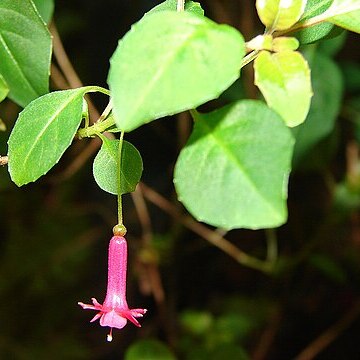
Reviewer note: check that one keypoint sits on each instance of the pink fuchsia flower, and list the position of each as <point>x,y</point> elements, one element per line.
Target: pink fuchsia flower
<point>114,312</point>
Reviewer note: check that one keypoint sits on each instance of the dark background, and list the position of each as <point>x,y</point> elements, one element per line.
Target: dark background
<point>54,235</point>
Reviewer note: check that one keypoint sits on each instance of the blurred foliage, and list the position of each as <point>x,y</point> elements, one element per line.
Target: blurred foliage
<point>54,234</point>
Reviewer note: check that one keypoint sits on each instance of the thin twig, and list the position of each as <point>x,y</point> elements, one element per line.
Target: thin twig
<point>66,67</point>
<point>80,160</point>
<point>267,338</point>
<point>328,336</point>
<point>143,214</point>
<point>68,78</point>
<point>153,272</point>
<point>58,79</point>
<point>63,60</point>
<point>211,236</point>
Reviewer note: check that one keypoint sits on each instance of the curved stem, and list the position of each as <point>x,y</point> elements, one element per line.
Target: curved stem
<point>120,214</point>
<point>304,24</point>
<point>98,127</point>
<point>213,237</point>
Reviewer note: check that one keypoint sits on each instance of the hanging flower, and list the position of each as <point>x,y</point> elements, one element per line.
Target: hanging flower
<point>114,312</point>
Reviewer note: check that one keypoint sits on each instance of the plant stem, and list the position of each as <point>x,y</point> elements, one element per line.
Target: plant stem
<point>249,58</point>
<point>304,24</point>
<point>272,246</point>
<point>213,237</point>
<point>98,127</point>
<point>180,5</point>
<point>119,196</point>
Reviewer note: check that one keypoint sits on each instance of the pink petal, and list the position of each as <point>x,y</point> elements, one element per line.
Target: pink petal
<point>112,319</point>
<point>98,315</point>
<point>87,306</point>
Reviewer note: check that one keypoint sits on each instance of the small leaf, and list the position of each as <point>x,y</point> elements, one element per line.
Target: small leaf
<point>148,350</point>
<point>105,167</point>
<point>344,13</point>
<point>190,6</point>
<point>4,90</point>
<point>42,133</point>
<point>25,50</point>
<point>45,8</point>
<point>325,106</point>
<point>284,80</point>
<point>284,43</point>
<point>233,171</point>
<point>170,62</point>
<point>280,14</point>
<point>316,32</point>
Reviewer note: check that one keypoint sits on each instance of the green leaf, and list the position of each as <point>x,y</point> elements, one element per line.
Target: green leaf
<point>25,50</point>
<point>284,43</point>
<point>45,8</point>
<point>280,14</point>
<point>344,13</point>
<point>4,90</point>
<point>170,62</point>
<point>42,133</point>
<point>328,89</point>
<point>148,350</point>
<point>105,167</point>
<point>190,6</point>
<point>316,32</point>
<point>331,46</point>
<point>284,80</point>
<point>233,171</point>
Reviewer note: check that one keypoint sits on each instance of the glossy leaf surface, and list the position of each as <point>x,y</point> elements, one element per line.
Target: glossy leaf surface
<point>280,14</point>
<point>45,8</point>
<point>25,50</point>
<point>42,133</point>
<point>316,32</point>
<point>105,167</point>
<point>233,171</point>
<point>284,80</point>
<point>169,62</point>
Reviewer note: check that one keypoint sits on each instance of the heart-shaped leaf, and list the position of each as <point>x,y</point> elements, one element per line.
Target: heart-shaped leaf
<point>25,50</point>
<point>169,62</point>
<point>105,167</point>
<point>42,133</point>
<point>233,171</point>
<point>284,80</point>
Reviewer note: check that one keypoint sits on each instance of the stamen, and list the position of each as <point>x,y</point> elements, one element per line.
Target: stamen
<point>109,336</point>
